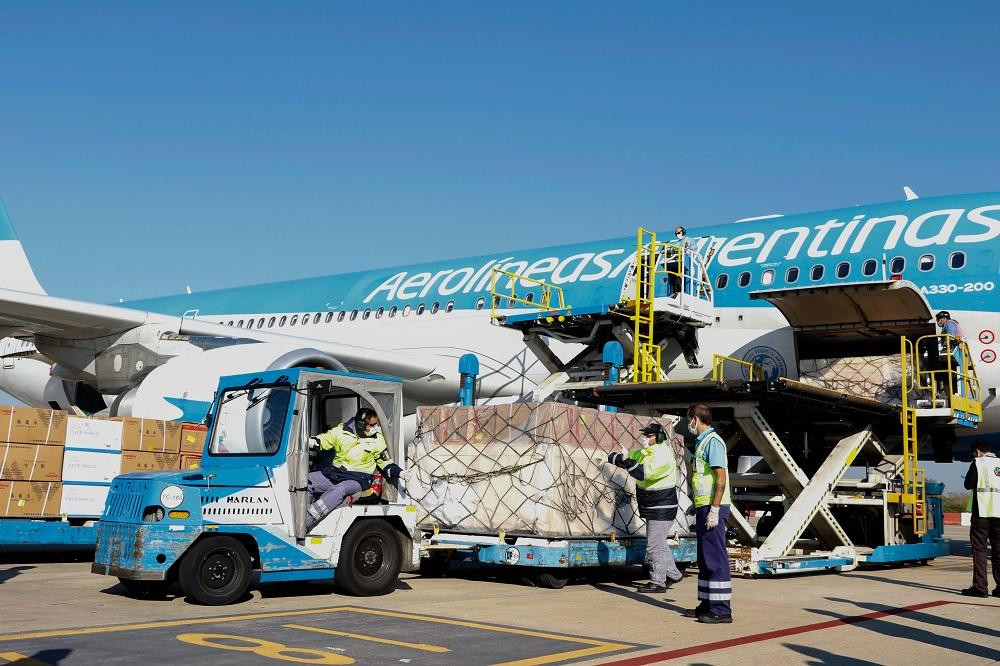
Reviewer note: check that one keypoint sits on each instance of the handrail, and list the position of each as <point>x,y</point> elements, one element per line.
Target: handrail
<point>694,281</point>
<point>961,382</point>
<point>543,303</point>
<point>756,372</point>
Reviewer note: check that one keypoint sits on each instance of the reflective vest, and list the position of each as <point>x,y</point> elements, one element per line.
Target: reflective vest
<point>988,486</point>
<point>343,448</point>
<point>659,466</point>
<point>702,475</point>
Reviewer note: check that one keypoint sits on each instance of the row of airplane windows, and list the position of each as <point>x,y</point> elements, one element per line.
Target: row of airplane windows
<point>367,313</point>
<point>956,260</point>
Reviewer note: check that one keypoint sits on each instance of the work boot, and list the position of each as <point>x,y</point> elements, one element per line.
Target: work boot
<point>973,592</point>
<point>651,588</point>
<point>693,612</point>
<point>712,618</point>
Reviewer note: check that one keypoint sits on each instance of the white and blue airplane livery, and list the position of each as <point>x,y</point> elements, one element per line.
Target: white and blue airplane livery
<point>162,357</point>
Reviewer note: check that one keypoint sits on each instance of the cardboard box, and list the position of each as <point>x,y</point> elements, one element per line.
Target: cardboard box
<point>189,461</point>
<point>193,438</point>
<point>150,435</point>
<point>30,462</point>
<point>98,434</point>
<point>34,499</point>
<point>90,466</point>
<point>83,501</point>
<point>29,425</point>
<point>147,461</point>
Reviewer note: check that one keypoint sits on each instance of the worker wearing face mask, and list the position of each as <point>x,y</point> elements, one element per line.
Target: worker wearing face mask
<point>350,454</point>
<point>710,492</point>
<point>676,261</point>
<point>654,467</point>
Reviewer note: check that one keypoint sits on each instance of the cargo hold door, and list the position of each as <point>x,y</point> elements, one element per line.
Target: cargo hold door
<point>852,319</point>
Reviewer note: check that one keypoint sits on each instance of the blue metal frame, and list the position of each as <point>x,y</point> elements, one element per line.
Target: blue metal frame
<point>566,554</point>
<point>29,534</point>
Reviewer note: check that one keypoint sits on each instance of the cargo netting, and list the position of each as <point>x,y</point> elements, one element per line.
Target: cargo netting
<point>876,377</point>
<point>535,469</point>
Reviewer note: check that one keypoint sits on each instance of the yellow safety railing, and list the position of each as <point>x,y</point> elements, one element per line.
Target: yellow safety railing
<point>956,380</point>
<point>913,487</point>
<point>755,372</point>
<point>550,297</point>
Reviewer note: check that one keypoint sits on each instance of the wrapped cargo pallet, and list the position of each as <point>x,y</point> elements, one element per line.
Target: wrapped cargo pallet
<point>530,469</point>
<point>876,377</point>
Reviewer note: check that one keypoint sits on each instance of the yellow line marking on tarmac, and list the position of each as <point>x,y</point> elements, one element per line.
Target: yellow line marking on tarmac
<point>596,646</point>
<point>19,659</point>
<point>388,641</point>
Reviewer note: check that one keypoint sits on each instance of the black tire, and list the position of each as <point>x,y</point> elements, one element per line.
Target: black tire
<point>370,559</point>
<point>145,589</point>
<point>215,571</point>
<point>551,580</point>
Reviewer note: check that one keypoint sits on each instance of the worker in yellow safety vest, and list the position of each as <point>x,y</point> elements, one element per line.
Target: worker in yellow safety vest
<point>654,467</point>
<point>983,479</point>
<point>710,490</point>
<point>349,456</point>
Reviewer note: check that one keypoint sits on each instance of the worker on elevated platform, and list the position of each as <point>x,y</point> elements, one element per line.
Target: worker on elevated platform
<point>654,468</point>
<point>983,479</point>
<point>710,491</point>
<point>349,457</point>
<point>951,327</point>
<point>677,264</point>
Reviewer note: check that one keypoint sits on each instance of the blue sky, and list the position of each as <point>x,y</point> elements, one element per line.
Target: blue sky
<point>149,146</point>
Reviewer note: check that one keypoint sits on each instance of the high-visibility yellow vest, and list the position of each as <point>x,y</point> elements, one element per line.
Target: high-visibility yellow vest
<point>988,486</point>
<point>702,476</point>
<point>353,453</point>
<point>659,466</point>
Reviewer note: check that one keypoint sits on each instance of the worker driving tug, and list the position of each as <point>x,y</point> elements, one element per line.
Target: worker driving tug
<point>349,456</point>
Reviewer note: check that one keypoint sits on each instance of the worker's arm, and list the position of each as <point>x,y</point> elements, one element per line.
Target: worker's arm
<point>329,439</point>
<point>972,476</point>
<point>720,486</point>
<point>634,469</point>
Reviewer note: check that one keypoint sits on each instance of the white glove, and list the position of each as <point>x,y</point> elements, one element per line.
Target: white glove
<point>712,520</point>
<point>407,474</point>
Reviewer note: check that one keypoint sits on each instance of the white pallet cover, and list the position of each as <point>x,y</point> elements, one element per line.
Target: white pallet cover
<point>532,469</point>
<point>876,377</point>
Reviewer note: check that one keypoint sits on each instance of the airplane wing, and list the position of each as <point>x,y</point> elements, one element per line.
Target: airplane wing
<point>24,315</point>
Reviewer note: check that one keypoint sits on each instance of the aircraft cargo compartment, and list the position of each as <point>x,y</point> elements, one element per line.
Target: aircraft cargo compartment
<point>537,469</point>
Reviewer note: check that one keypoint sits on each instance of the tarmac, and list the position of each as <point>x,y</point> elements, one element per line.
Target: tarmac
<point>54,611</point>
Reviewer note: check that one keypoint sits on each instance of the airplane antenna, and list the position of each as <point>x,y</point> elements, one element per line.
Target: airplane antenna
<point>910,194</point>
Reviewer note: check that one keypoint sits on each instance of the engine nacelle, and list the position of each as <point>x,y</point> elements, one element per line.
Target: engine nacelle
<point>182,389</point>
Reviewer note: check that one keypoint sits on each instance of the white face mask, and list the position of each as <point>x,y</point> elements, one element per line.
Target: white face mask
<point>691,428</point>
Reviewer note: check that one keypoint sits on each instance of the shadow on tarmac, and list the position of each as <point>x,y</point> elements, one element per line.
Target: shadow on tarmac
<point>51,657</point>
<point>824,658</point>
<point>13,572</point>
<point>921,635</point>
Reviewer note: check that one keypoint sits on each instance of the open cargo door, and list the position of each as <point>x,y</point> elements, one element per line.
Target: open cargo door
<point>852,319</point>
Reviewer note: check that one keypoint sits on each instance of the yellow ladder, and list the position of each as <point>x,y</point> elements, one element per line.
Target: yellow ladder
<point>914,476</point>
<point>645,352</point>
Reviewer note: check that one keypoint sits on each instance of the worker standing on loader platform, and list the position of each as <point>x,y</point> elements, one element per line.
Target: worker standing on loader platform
<point>983,479</point>
<point>677,263</point>
<point>950,327</point>
<point>710,491</point>
<point>654,468</point>
<point>349,457</point>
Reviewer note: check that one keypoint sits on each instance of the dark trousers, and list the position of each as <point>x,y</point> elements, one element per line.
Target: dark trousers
<point>982,532</point>
<point>715,586</point>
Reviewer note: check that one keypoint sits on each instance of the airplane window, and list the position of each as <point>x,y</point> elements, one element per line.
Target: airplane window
<point>744,278</point>
<point>926,262</point>
<point>354,315</point>
<point>379,313</point>
<point>869,267</point>
<point>294,321</point>
<point>367,313</point>
<point>435,306</point>
<point>496,301</point>
<point>270,322</point>
<point>722,281</point>
<point>305,319</point>
<point>530,297</point>
<point>792,275</point>
<point>817,272</point>
<point>956,260</point>
<point>767,277</point>
<point>341,315</point>
<point>420,309</point>
<point>450,306</point>
<point>897,265</point>
<point>392,311</point>
<point>281,322</point>
<point>480,304</point>
<point>328,318</point>
<point>240,324</point>
<point>230,323</point>
<point>316,317</point>
<point>260,323</point>
<point>406,310</point>
<point>843,269</point>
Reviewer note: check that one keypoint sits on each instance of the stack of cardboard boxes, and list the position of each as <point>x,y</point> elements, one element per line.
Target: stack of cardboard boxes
<point>53,464</point>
